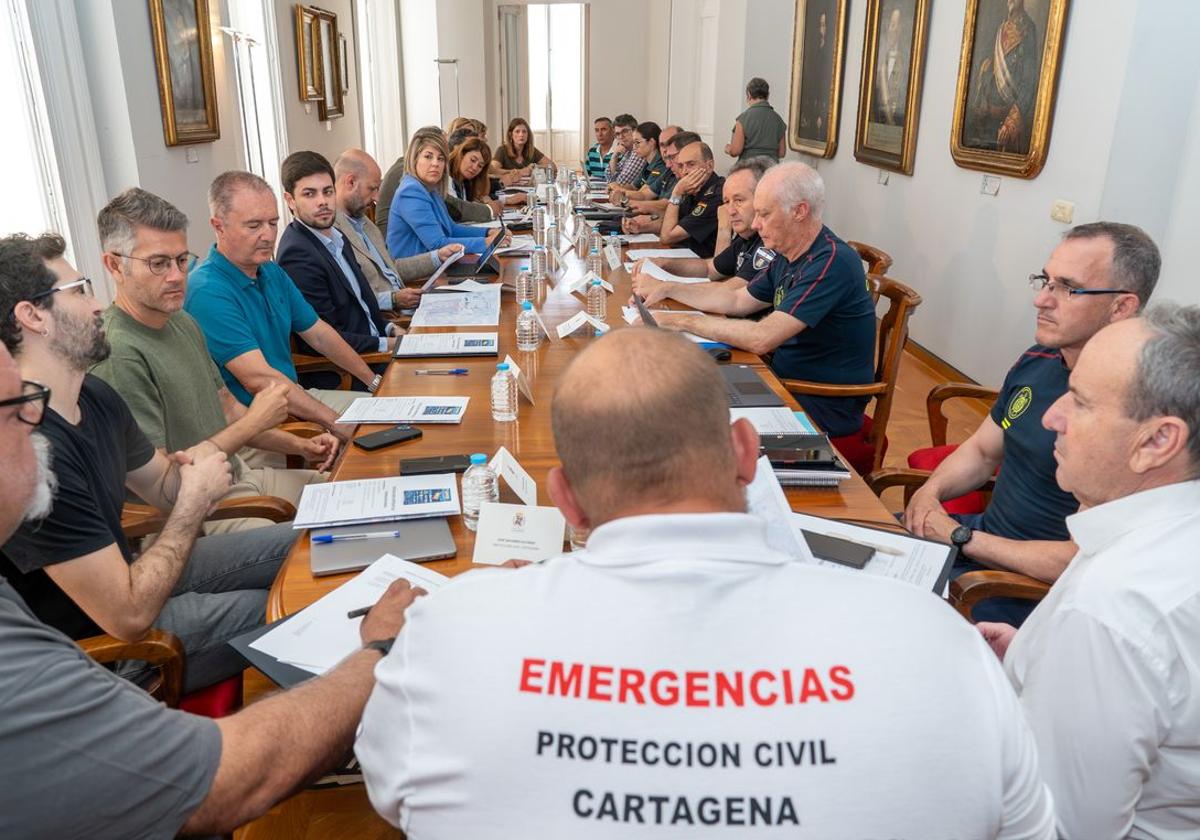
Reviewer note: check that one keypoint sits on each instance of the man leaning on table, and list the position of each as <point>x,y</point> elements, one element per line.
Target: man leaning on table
<point>248,307</point>
<point>678,673</point>
<point>1106,665</point>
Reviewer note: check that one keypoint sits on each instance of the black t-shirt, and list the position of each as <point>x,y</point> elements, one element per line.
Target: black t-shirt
<point>1027,503</point>
<point>738,260</point>
<point>824,287</point>
<point>698,216</point>
<point>90,462</point>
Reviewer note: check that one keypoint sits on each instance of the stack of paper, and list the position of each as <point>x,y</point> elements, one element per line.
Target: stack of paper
<point>406,410</point>
<point>636,238</point>
<point>631,315</point>
<point>377,500</point>
<point>663,252</point>
<point>320,635</point>
<point>658,272</point>
<point>476,308</point>
<point>440,345</point>
<point>776,420</point>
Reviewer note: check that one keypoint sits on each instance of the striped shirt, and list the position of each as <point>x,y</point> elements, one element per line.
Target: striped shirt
<point>597,164</point>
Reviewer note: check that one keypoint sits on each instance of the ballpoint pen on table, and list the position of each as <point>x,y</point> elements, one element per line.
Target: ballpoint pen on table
<point>322,539</point>
<point>442,372</point>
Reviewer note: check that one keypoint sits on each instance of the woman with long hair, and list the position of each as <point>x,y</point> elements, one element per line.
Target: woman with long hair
<point>517,152</point>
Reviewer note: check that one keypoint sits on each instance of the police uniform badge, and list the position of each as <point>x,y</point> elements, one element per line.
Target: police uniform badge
<point>1016,406</point>
<point>700,207</point>
<point>763,257</point>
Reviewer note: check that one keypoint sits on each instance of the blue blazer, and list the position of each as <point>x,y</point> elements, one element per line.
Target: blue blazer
<point>418,223</point>
<point>320,279</point>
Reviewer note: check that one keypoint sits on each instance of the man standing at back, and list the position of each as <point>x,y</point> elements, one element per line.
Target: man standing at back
<point>733,691</point>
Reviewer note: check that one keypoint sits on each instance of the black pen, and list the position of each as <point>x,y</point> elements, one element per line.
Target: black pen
<point>360,612</point>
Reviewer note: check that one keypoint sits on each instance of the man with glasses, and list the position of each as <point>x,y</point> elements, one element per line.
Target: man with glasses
<point>160,365</point>
<point>74,568</point>
<point>1100,273</point>
<point>625,166</point>
<point>647,205</point>
<point>690,218</point>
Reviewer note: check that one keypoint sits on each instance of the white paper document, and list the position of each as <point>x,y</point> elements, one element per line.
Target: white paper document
<point>514,475</point>
<point>631,315</point>
<point>476,308</point>
<point>519,242</point>
<point>441,269</point>
<point>406,410</point>
<point>417,345</point>
<point>320,636</point>
<point>517,532</point>
<point>765,499</point>
<point>778,420</point>
<point>494,223</point>
<point>635,238</point>
<point>663,252</point>
<point>659,273</point>
<point>377,500</point>
<point>578,320</point>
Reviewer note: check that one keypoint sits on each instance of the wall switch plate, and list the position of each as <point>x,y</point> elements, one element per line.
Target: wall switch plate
<point>191,155</point>
<point>1062,211</point>
<point>990,185</point>
<point>884,175</point>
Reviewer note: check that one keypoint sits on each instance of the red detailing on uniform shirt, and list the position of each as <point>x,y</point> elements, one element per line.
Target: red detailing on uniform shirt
<point>1055,355</point>
<point>820,277</point>
<point>665,687</point>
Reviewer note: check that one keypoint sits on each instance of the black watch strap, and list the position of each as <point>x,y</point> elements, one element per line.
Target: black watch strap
<point>384,646</point>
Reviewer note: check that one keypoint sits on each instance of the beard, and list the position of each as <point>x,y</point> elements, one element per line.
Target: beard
<point>45,482</point>
<point>80,342</point>
<point>355,206</point>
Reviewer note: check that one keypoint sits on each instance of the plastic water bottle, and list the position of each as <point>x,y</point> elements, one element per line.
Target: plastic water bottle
<point>537,262</point>
<point>529,332</point>
<point>582,231</point>
<point>552,234</point>
<point>597,307</point>
<point>479,484</point>
<point>595,262</point>
<point>539,218</point>
<point>525,286</point>
<point>504,393</point>
<point>595,240</point>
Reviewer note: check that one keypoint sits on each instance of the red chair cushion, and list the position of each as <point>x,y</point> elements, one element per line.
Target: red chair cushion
<point>928,459</point>
<point>856,450</point>
<point>216,701</point>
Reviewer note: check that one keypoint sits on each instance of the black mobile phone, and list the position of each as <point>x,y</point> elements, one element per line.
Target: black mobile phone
<point>825,547</point>
<point>434,465</point>
<point>378,440</point>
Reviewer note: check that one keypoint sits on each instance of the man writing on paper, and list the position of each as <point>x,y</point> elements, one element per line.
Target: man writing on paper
<point>903,708</point>
<point>1106,665</point>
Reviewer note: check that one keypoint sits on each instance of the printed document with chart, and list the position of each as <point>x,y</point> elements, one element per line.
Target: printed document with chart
<point>477,308</point>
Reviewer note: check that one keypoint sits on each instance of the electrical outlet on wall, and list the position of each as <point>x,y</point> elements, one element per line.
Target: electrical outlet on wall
<point>990,185</point>
<point>191,155</point>
<point>884,175</point>
<point>1062,211</point>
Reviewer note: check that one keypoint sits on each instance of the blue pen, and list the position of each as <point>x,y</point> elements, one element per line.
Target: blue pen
<point>329,538</point>
<point>707,345</point>
<point>442,372</point>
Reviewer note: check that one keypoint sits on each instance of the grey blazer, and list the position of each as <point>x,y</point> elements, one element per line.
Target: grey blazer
<point>408,269</point>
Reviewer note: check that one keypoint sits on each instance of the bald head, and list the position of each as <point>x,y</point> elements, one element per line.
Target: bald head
<point>357,177</point>
<point>641,423</point>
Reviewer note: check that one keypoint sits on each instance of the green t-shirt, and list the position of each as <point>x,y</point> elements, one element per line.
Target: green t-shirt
<point>167,377</point>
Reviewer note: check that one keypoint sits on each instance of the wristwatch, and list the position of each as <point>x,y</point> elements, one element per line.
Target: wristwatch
<point>676,200</point>
<point>384,646</point>
<point>375,383</point>
<point>961,535</point>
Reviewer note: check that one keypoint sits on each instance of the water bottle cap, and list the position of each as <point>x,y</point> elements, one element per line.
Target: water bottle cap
<point>526,304</point>
<point>503,365</point>
<point>595,249</point>
<point>478,458</point>
<point>596,281</point>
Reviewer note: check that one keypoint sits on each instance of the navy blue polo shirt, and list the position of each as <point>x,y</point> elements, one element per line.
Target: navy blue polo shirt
<point>1027,503</point>
<point>239,314</point>
<point>698,216</point>
<point>741,257</point>
<point>824,287</point>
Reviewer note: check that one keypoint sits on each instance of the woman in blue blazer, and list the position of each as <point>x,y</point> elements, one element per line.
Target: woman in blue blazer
<point>418,214</point>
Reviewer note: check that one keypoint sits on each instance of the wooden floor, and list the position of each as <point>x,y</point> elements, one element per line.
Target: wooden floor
<point>338,814</point>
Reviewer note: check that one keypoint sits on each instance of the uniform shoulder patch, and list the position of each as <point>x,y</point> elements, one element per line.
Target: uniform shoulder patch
<point>1019,402</point>
<point>763,257</point>
<point>701,206</point>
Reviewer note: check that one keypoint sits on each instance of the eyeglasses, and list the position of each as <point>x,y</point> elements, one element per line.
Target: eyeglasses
<point>83,284</point>
<point>1037,282</point>
<point>160,265</point>
<point>31,405</point>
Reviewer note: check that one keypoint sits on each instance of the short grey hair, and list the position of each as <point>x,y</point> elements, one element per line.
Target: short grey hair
<point>1135,260</point>
<point>225,185</point>
<point>756,166</point>
<point>136,208</point>
<point>795,182</point>
<point>1167,382</point>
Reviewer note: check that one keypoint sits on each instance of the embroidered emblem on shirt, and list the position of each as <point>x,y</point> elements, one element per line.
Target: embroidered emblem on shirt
<point>700,208</point>
<point>763,257</point>
<point>1017,405</point>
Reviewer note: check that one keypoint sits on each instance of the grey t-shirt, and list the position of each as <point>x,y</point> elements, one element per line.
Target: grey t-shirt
<point>87,754</point>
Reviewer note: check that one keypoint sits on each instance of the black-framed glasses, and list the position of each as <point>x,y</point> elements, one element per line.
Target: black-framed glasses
<point>1040,281</point>
<point>31,404</point>
<point>160,264</point>
<point>83,284</point>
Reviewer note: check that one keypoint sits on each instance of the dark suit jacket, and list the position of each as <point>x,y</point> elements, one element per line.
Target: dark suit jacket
<point>320,279</point>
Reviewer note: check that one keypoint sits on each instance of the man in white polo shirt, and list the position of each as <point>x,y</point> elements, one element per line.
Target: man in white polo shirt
<point>1107,665</point>
<point>678,675</point>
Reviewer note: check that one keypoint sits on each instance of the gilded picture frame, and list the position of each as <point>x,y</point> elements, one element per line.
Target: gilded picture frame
<point>182,34</point>
<point>818,59</point>
<point>331,105</point>
<point>889,94</point>
<point>307,60</point>
<point>1007,79</point>
<point>344,62</point>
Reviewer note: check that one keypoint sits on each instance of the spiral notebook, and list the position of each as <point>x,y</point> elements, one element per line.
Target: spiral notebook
<point>803,460</point>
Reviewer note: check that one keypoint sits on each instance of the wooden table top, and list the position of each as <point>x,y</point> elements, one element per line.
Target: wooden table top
<point>529,438</point>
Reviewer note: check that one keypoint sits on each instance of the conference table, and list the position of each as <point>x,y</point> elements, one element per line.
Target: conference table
<point>530,441</point>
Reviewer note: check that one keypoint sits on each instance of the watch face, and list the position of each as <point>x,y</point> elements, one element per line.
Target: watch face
<point>961,535</point>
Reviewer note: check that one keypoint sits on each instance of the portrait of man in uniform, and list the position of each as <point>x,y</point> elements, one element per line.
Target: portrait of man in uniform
<point>816,74</point>
<point>889,98</point>
<point>1005,68</point>
<point>892,59</point>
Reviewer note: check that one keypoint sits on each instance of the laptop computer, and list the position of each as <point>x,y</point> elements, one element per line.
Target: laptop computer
<point>418,540</point>
<point>746,389</point>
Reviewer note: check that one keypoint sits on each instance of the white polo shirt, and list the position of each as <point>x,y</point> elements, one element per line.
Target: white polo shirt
<point>1108,669</point>
<point>679,678</point>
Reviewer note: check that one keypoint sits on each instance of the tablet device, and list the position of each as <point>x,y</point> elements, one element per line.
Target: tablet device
<point>441,269</point>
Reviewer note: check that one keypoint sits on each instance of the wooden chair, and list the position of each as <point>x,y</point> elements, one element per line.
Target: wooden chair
<point>307,363</point>
<point>878,262</point>
<point>162,650</point>
<point>866,449</point>
<point>970,588</point>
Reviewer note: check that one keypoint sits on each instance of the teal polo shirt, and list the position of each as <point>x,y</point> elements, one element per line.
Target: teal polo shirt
<point>239,314</point>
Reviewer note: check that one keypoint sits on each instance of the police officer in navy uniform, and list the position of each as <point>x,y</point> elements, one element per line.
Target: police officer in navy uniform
<point>1101,272</point>
<point>690,218</point>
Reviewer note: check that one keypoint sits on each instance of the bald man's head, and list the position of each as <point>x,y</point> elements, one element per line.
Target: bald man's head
<point>641,422</point>
<point>357,177</point>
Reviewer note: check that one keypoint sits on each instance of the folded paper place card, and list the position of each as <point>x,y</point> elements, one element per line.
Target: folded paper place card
<point>517,532</point>
<point>578,320</point>
<point>523,387</point>
<point>514,475</point>
<point>613,254</point>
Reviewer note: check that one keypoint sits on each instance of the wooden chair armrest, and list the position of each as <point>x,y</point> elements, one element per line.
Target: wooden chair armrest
<point>948,391</point>
<point>319,364</point>
<point>823,389</point>
<point>377,358</point>
<point>158,648</point>
<point>142,520</point>
<point>301,428</point>
<point>970,588</point>
<point>909,479</point>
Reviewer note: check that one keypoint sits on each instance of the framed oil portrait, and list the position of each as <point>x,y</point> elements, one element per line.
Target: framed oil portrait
<point>329,68</point>
<point>889,95</point>
<point>1007,75</point>
<point>818,56</point>
<point>183,60</point>
<point>307,56</point>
